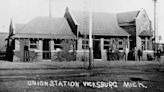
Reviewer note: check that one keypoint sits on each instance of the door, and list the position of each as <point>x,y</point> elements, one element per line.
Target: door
<point>96,49</point>
<point>46,49</point>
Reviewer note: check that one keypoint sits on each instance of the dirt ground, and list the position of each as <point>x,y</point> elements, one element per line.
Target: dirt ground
<point>105,76</point>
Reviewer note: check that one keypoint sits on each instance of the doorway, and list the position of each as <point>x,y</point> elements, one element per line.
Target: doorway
<point>46,50</point>
<point>96,49</point>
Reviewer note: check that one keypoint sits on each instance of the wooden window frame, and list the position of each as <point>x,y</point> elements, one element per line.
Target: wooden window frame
<point>85,43</point>
<point>120,46</point>
<point>33,42</point>
<point>57,43</point>
<point>106,46</point>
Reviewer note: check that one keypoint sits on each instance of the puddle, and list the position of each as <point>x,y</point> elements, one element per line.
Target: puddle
<point>136,79</point>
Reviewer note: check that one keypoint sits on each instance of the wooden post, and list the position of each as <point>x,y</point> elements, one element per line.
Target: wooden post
<point>155,24</point>
<point>90,38</point>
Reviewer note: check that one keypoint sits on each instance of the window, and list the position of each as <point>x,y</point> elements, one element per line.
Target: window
<point>120,43</point>
<point>106,43</point>
<point>148,45</point>
<point>33,43</point>
<point>85,44</point>
<point>143,44</point>
<point>57,43</point>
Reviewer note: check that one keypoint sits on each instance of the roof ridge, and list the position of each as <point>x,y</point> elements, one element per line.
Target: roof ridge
<point>47,17</point>
<point>128,12</point>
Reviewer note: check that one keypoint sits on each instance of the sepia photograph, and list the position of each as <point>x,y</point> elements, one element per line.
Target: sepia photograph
<point>81,46</point>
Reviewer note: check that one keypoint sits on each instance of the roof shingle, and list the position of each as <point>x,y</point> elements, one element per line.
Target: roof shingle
<point>103,23</point>
<point>44,26</point>
<point>127,17</point>
<point>146,33</point>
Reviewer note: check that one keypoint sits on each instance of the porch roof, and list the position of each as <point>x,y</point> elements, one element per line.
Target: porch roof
<point>146,33</point>
<point>43,36</point>
<point>103,23</point>
<point>44,27</point>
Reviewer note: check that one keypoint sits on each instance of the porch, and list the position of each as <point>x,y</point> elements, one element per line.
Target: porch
<point>100,46</point>
<point>37,49</point>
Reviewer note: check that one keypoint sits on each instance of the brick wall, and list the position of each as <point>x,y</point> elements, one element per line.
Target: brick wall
<point>19,50</point>
<point>142,24</point>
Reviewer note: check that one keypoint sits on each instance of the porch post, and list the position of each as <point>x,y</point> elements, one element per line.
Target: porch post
<point>79,47</point>
<point>145,43</point>
<point>17,48</point>
<point>103,54</point>
<point>40,53</point>
<point>52,49</point>
<point>128,43</point>
<point>102,44</point>
<point>17,45</point>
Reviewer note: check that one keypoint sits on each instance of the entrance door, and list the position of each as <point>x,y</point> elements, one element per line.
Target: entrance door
<point>132,42</point>
<point>96,49</point>
<point>46,50</point>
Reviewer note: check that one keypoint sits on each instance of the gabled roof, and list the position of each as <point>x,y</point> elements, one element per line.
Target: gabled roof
<point>127,17</point>
<point>146,33</point>
<point>3,36</point>
<point>18,27</point>
<point>102,23</point>
<point>46,27</point>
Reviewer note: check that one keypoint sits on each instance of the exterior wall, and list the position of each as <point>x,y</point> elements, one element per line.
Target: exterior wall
<point>142,24</point>
<point>115,44</point>
<point>113,41</point>
<point>19,49</point>
<point>17,44</point>
<point>80,52</point>
<point>131,29</point>
<point>84,53</point>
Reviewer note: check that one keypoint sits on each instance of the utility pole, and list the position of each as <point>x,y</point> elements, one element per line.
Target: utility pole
<point>90,36</point>
<point>50,8</point>
<point>155,23</point>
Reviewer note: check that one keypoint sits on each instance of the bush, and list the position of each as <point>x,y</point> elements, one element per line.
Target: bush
<point>68,52</point>
<point>66,56</point>
<point>113,56</point>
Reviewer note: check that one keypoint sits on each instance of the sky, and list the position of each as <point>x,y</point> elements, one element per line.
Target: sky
<point>22,11</point>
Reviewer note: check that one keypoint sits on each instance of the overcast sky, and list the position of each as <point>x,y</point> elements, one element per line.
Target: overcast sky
<point>22,11</point>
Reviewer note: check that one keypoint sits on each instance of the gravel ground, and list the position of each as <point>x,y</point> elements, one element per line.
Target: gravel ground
<point>15,76</point>
<point>72,64</point>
